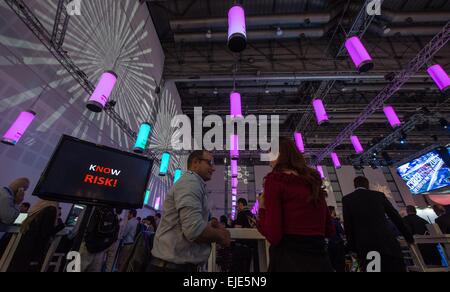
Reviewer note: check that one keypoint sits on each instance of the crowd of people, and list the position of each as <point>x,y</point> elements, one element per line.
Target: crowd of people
<point>305,234</point>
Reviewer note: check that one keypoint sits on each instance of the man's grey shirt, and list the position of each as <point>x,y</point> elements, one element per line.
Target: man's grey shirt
<point>185,217</point>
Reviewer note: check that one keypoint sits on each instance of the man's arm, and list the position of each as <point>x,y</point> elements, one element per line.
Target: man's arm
<point>188,201</point>
<point>8,211</point>
<point>397,220</point>
<point>348,226</point>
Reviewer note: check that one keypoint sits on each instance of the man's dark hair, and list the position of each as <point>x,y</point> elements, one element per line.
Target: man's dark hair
<point>26,205</point>
<point>361,182</point>
<point>242,201</point>
<point>197,154</point>
<point>158,215</point>
<point>133,213</point>
<point>331,209</point>
<point>411,210</point>
<point>224,219</point>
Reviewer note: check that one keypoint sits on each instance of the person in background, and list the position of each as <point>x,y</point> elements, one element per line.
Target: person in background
<point>150,223</point>
<point>367,229</point>
<point>111,253</point>
<point>443,219</point>
<point>293,214</point>
<point>224,221</point>
<point>158,218</point>
<point>418,226</point>
<point>184,236</point>
<point>101,233</point>
<point>245,217</point>
<point>128,238</point>
<point>243,250</point>
<point>25,207</point>
<point>10,199</point>
<point>336,243</point>
<point>36,231</point>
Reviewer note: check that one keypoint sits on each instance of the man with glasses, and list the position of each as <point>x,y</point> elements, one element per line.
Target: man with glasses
<point>184,236</point>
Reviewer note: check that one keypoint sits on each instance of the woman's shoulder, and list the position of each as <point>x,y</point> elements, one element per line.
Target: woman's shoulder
<point>283,177</point>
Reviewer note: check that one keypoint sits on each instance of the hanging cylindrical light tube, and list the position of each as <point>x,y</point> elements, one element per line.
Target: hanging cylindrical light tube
<point>357,144</point>
<point>440,77</point>
<point>237,31</point>
<point>234,146</point>
<point>359,54</point>
<point>299,142</point>
<point>336,162</point>
<point>235,105</point>
<point>103,90</point>
<point>234,182</point>
<point>177,175</point>
<point>142,138</point>
<point>147,197</point>
<point>234,168</point>
<point>392,117</point>
<point>164,167</point>
<point>321,113</point>
<point>18,128</point>
<point>320,170</point>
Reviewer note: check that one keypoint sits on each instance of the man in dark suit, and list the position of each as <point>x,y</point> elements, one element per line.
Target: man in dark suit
<point>367,227</point>
<point>443,219</point>
<point>418,226</point>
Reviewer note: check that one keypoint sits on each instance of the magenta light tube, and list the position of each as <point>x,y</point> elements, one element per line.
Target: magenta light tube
<point>157,203</point>
<point>357,144</point>
<point>234,192</point>
<point>336,162</point>
<point>392,116</point>
<point>234,146</point>
<point>359,54</point>
<point>320,170</point>
<point>237,31</point>
<point>18,128</point>
<point>102,91</point>
<point>299,142</point>
<point>440,77</point>
<point>234,183</point>
<point>319,109</point>
<point>235,104</point>
<point>234,168</point>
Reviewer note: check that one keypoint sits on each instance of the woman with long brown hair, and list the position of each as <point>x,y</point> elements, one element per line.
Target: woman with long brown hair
<point>293,214</point>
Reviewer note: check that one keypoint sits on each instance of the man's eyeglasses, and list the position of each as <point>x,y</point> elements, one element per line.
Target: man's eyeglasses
<point>210,162</point>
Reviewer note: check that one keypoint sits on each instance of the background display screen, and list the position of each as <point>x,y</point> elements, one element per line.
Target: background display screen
<point>426,173</point>
<point>82,172</point>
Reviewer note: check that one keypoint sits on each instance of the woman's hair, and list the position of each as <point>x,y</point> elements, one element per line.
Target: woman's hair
<point>290,158</point>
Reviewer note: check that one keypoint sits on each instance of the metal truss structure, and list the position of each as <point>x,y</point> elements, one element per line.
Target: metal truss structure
<point>370,156</point>
<point>359,28</point>
<point>61,23</point>
<point>51,43</point>
<point>423,58</point>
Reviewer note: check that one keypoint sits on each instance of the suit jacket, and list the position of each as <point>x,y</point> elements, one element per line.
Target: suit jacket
<point>367,227</point>
<point>444,223</point>
<point>416,224</point>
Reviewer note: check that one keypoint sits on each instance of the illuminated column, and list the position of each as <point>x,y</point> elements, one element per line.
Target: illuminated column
<point>234,147</point>
<point>164,167</point>
<point>299,142</point>
<point>18,128</point>
<point>102,91</point>
<point>357,144</point>
<point>177,175</point>
<point>336,162</point>
<point>359,54</point>
<point>392,116</point>
<point>319,109</point>
<point>235,104</point>
<point>142,138</point>
<point>237,31</point>
<point>440,77</point>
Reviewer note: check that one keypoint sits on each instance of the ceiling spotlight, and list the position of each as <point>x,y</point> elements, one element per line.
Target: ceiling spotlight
<point>279,31</point>
<point>267,90</point>
<point>216,91</point>
<point>403,138</point>
<point>444,123</point>
<point>386,29</point>
<point>209,34</point>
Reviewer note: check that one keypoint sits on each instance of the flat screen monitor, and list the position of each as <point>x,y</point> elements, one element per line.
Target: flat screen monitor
<point>80,172</point>
<point>21,218</point>
<point>426,173</point>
